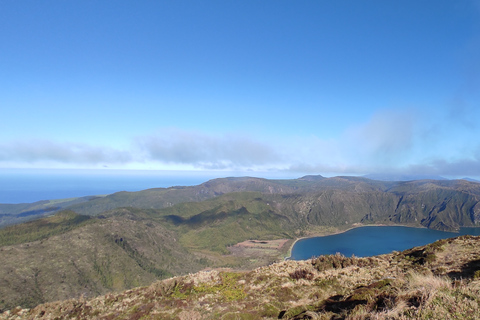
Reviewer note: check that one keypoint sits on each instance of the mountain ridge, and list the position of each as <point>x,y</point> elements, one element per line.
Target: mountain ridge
<point>162,232</point>
<point>163,197</point>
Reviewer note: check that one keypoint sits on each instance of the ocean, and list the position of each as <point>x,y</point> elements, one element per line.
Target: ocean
<point>26,187</point>
<point>30,185</point>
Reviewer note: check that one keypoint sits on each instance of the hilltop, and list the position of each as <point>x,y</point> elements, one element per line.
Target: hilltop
<point>96,245</point>
<point>436,204</point>
<point>437,281</point>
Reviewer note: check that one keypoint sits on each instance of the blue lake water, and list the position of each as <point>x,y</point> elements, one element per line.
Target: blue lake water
<point>371,241</point>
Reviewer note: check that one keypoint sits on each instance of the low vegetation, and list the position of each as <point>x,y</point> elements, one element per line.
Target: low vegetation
<point>99,245</point>
<point>400,285</point>
<point>11,214</point>
<point>43,228</point>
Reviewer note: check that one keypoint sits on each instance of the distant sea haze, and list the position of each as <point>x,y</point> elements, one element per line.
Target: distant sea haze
<point>30,185</point>
<point>35,186</point>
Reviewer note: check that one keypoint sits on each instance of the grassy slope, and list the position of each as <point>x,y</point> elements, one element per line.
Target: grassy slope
<point>11,214</point>
<point>226,220</point>
<point>90,258</point>
<point>438,281</point>
<point>128,247</point>
<point>43,228</point>
<point>141,245</point>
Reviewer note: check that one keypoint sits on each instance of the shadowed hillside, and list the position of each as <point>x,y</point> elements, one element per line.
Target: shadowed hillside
<point>436,204</point>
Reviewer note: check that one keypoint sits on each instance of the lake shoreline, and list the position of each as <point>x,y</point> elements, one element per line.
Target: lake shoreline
<point>354,226</point>
<point>362,243</point>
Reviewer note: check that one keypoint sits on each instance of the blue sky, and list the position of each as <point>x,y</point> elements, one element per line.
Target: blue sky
<point>326,87</point>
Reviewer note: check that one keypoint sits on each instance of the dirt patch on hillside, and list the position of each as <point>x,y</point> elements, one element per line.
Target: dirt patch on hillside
<point>261,252</point>
<point>264,244</point>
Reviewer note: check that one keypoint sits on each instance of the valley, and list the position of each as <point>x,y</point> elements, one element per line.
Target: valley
<point>98,245</point>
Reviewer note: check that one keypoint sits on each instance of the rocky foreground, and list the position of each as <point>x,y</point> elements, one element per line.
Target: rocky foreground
<point>437,281</point>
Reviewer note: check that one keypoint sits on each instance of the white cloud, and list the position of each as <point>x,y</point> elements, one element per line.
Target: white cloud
<point>461,167</point>
<point>389,142</point>
<point>386,139</point>
<point>32,151</point>
<point>207,151</point>
<point>392,142</point>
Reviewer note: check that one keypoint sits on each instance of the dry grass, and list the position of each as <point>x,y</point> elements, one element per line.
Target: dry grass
<point>334,287</point>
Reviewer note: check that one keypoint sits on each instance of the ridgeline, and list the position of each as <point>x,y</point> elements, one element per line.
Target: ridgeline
<point>94,246</point>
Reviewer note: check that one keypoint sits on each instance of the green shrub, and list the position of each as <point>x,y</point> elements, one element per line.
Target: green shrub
<point>476,275</point>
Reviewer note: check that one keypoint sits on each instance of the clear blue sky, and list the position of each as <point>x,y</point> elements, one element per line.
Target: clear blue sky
<point>349,87</point>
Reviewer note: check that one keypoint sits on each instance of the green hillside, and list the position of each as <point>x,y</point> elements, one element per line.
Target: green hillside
<point>437,281</point>
<point>130,239</point>
<point>90,257</point>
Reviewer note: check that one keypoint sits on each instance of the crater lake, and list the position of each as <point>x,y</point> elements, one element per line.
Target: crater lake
<point>371,240</point>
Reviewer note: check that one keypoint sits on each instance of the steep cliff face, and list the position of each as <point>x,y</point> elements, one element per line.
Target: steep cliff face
<point>436,207</point>
<point>441,205</point>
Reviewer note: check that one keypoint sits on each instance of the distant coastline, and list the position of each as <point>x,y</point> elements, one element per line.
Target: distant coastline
<point>31,185</point>
<point>23,188</point>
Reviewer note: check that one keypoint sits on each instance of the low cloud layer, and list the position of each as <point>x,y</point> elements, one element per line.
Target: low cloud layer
<point>32,151</point>
<point>207,151</point>
<point>467,167</point>
<point>395,142</point>
<point>386,139</point>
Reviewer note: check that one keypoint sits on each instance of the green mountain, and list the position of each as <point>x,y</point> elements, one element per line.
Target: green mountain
<point>128,239</point>
<point>436,204</point>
